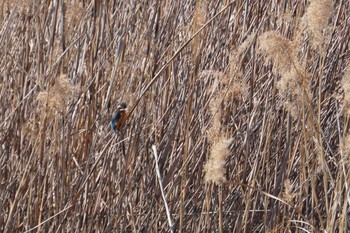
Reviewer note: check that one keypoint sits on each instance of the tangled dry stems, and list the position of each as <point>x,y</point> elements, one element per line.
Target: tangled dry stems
<point>258,103</point>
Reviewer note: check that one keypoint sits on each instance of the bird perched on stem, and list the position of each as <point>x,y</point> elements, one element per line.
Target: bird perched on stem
<point>119,117</point>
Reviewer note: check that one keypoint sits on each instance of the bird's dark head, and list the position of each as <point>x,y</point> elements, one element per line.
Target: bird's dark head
<point>122,105</point>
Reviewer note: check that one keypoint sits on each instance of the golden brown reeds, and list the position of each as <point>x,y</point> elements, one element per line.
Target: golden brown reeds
<point>58,96</point>
<point>278,49</point>
<point>317,17</point>
<point>249,103</point>
<point>345,85</point>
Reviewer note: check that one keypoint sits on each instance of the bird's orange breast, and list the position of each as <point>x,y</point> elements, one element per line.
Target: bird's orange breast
<point>122,119</point>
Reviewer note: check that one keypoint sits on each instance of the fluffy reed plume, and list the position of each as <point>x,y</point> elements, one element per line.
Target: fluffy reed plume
<point>287,194</point>
<point>293,85</point>
<point>344,148</point>
<point>317,17</point>
<point>59,94</point>
<point>290,90</point>
<point>345,85</point>
<point>237,88</point>
<point>236,54</point>
<point>215,167</point>
<point>232,82</point>
<point>214,131</point>
<point>277,49</point>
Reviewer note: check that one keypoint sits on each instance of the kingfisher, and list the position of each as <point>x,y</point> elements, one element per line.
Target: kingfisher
<point>119,117</point>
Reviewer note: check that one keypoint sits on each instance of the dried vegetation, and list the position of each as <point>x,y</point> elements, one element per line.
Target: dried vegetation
<point>250,119</point>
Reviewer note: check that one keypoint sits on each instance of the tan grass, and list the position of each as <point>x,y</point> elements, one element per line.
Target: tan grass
<point>58,96</point>
<point>215,167</point>
<point>199,19</point>
<point>290,87</point>
<point>74,13</point>
<point>248,100</point>
<point>345,85</point>
<point>277,49</point>
<point>317,17</point>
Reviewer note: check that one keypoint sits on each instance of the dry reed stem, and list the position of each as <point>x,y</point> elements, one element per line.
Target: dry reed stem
<point>170,222</point>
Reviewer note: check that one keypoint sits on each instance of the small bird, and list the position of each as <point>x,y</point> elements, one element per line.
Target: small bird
<point>119,117</point>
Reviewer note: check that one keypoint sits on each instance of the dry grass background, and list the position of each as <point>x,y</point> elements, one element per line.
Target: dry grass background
<point>250,120</point>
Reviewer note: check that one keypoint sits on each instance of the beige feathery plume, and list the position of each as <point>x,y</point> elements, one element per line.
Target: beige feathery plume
<point>59,95</point>
<point>277,49</point>
<point>215,167</point>
<point>345,85</point>
<point>317,18</point>
<point>287,194</point>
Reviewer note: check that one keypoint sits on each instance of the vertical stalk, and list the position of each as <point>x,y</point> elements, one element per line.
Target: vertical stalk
<point>220,209</point>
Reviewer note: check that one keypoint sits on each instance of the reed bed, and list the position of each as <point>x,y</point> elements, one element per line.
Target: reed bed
<point>245,104</point>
